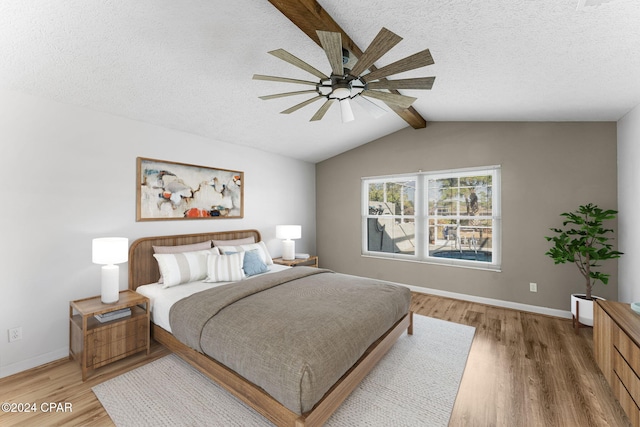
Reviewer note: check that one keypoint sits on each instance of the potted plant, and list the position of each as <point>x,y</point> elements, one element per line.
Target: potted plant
<point>584,241</point>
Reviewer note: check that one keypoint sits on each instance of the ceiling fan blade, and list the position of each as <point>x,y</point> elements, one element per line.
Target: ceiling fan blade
<point>418,83</point>
<point>372,108</point>
<point>332,45</point>
<point>283,79</point>
<point>294,60</point>
<point>380,45</point>
<point>302,104</point>
<point>417,60</point>
<point>322,111</point>
<point>282,95</point>
<point>402,101</point>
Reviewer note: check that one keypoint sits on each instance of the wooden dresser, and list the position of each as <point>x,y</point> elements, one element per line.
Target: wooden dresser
<point>616,341</point>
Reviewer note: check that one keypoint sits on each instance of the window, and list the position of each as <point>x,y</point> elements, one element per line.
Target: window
<point>391,220</point>
<point>447,217</point>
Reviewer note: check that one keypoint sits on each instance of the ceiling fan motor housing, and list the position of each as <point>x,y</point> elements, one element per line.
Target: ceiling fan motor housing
<point>338,87</point>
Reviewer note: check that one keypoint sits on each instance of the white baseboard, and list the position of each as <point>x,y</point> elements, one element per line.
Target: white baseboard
<point>34,362</point>
<point>490,301</point>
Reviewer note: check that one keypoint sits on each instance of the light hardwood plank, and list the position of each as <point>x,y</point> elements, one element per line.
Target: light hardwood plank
<point>523,370</point>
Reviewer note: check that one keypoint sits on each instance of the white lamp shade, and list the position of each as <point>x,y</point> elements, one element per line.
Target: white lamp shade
<point>288,231</point>
<point>110,250</point>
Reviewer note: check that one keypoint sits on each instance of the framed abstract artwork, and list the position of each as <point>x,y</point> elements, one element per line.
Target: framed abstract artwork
<point>169,190</point>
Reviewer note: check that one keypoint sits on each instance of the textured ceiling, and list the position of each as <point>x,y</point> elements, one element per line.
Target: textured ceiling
<point>188,64</point>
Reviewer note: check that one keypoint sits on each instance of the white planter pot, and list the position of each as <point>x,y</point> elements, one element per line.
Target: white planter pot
<point>586,308</point>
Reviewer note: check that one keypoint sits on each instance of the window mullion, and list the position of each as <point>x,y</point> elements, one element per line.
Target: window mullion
<point>418,218</point>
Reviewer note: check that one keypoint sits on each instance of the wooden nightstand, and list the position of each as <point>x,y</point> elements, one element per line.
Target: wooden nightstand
<point>94,344</point>
<point>312,261</point>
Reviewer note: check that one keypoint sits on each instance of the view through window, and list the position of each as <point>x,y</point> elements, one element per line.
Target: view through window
<point>450,217</point>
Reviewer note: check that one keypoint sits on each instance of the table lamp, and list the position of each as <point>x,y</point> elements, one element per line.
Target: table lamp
<point>110,251</point>
<point>287,233</point>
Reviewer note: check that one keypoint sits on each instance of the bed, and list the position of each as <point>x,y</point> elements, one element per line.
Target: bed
<point>263,294</point>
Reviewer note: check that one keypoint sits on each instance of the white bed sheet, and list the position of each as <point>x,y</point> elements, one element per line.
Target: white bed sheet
<point>162,299</point>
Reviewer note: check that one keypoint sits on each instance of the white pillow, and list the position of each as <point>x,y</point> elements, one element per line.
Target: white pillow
<point>183,267</point>
<point>260,246</point>
<point>225,268</point>
<point>202,246</point>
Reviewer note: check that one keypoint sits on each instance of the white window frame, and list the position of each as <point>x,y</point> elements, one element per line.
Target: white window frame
<point>367,215</point>
<point>422,217</point>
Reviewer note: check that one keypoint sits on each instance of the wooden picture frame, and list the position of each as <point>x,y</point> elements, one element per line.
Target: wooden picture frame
<point>170,190</point>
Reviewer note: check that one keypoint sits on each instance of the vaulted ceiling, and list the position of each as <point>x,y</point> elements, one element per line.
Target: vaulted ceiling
<point>188,64</point>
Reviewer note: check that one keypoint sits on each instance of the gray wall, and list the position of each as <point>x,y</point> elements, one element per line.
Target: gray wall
<point>547,168</point>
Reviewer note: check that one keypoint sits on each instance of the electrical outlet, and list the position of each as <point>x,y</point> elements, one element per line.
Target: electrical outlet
<point>533,287</point>
<point>15,334</point>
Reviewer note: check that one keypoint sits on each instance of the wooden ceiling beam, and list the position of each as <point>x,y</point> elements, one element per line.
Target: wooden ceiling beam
<point>309,16</point>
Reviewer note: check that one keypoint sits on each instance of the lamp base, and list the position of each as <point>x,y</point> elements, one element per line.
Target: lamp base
<point>288,250</point>
<point>110,287</point>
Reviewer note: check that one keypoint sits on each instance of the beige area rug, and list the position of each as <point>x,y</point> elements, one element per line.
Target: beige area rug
<point>415,384</point>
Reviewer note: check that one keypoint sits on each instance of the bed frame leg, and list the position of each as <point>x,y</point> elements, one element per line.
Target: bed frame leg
<point>410,328</point>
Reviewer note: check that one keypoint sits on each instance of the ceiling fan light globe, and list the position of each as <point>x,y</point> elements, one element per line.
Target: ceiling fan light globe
<point>341,93</point>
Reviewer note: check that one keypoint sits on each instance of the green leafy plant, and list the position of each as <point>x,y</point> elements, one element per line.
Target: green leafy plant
<point>585,242</point>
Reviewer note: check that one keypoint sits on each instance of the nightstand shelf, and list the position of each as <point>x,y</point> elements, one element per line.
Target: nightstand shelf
<point>94,344</point>
<point>312,261</point>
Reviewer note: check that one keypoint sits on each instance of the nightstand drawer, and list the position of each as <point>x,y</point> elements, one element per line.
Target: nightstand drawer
<point>116,341</point>
<point>104,354</point>
<point>118,331</point>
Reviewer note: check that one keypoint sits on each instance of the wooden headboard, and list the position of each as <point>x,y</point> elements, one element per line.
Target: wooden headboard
<point>143,268</point>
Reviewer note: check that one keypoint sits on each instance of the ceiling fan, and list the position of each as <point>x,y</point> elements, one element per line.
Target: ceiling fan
<point>356,84</point>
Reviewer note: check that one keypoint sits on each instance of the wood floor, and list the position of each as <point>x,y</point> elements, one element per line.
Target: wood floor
<point>523,370</point>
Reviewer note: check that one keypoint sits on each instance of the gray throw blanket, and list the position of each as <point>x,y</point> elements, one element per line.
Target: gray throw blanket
<point>293,333</point>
